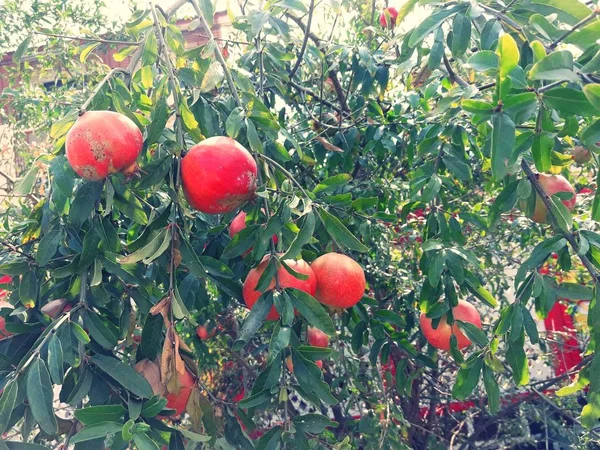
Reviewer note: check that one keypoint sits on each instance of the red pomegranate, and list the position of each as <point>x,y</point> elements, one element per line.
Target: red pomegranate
<point>383,18</point>
<point>440,336</point>
<point>316,337</point>
<point>340,280</point>
<point>179,401</point>
<point>218,175</point>
<point>101,143</point>
<point>3,332</point>
<point>286,280</point>
<point>290,364</point>
<point>551,184</point>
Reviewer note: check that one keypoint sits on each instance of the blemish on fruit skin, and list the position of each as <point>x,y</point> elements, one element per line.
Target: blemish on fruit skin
<point>89,172</point>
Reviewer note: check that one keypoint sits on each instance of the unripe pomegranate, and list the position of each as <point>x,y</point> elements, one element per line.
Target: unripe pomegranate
<point>581,155</point>
<point>218,175</point>
<point>101,143</point>
<point>316,337</point>
<point>340,280</point>
<point>440,336</point>
<point>551,184</point>
<point>383,18</point>
<point>286,280</point>
<point>179,401</point>
<point>290,364</point>
<point>3,332</point>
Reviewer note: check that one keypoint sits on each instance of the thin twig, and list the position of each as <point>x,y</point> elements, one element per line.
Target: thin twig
<point>305,41</point>
<point>453,75</point>
<point>285,171</point>
<point>87,39</point>
<point>575,27</point>
<point>98,88</point>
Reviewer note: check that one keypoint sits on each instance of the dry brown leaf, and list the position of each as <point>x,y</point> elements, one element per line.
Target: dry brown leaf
<point>329,146</point>
<point>150,370</point>
<point>171,364</point>
<point>162,308</point>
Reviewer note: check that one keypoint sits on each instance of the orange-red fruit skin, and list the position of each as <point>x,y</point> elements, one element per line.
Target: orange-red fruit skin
<point>286,280</point>
<point>440,337</point>
<point>218,175</point>
<point>551,184</point>
<point>102,143</point>
<point>341,281</point>
<point>316,337</point>
<point>179,401</point>
<point>290,364</point>
<point>393,13</point>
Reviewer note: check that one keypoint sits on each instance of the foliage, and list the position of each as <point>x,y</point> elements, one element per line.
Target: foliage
<point>409,152</point>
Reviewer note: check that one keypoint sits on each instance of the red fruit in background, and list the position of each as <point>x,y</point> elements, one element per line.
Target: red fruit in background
<point>286,280</point>
<point>440,337</point>
<point>316,337</point>
<point>586,191</point>
<point>392,13</point>
<point>204,333</point>
<point>3,332</point>
<point>340,280</point>
<point>290,364</point>
<point>101,143</point>
<point>218,175</point>
<point>581,155</point>
<point>552,184</point>
<point>178,401</point>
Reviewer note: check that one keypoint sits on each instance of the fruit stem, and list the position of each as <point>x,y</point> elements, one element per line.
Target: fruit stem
<point>99,86</point>
<point>570,237</point>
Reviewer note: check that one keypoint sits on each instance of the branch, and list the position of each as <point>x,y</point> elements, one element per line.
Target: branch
<point>218,54</point>
<point>577,26</point>
<point>316,96</point>
<point>453,76</point>
<point>100,85</point>
<point>549,207</point>
<point>14,249</point>
<point>311,9</point>
<point>80,38</point>
<point>502,17</point>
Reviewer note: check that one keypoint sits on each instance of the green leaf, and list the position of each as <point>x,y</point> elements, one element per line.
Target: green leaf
<point>483,61</point>
<point>123,374</point>
<point>313,423</point>
<point>270,440</point>
<point>508,54</point>
<point>79,333</point>
<point>160,115</point>
<point>312,310</point>
<point>339,233</point>
<point>517,360</point>
<point>55,360</point>
<point>40,395</point>
<point>492,389</point>
<point>541,149</point>
<point>502,144</point>
<point>21,49</point>
<point>467,379</point>
<point>431,23</point>
<point>258,315</point>
<point>253,139</point>
<point>478,106</point>
<point>129,205</point>
<point>303,237</point>
<point>156,247</point>
<point>24,185</point>
<point>590,136</point>
<point>97,430</point>
<point>11,445</point>
<point>569,101</point>
<point>150,51</point>
<point>145,442</point>
<point>332,183</point>
<point>191,259</point>
<point>474,333</point>
<point>7,404</point>
<point>573,291</point>
<point>104,413</point>
<point>461,34</point>
<point>310,378</point>
<point>99,331</point>
<point>592,93</point>
<point>153,406</point>
<point>557,66</point>
<point>234,122</point>
<point>84,202</point>
<point>563,216</point>
<point>48,246</point>
<point>432,188</point>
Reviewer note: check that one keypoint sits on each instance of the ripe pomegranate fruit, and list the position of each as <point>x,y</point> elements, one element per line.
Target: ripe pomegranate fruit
<point>205,333</point>
<point>3,332</point>
<point>551,184</point>
<point>340,280</point>
<point>290,364</point>
<point>440,336</point>
<point>581,155</point>
<point>392,13</point>
<point>101,143</point>
<point>316,337</point>
<point>178,401</point>
<point>286,280</point>
<point>218,175</point>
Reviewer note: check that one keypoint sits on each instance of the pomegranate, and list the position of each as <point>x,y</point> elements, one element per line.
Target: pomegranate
<point>204,333</point>
<point>290,364</point>
<point>316,337</point>
<point>340,280</point>
<point>392,13</point>
<point>551,184</point>
<point>3,332</point>
<point>218,175</point>
<point>581,155</point>
<point>440,337</point>
<point>286,280</point>
<point>178,401</point>
<point>102,143</point>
